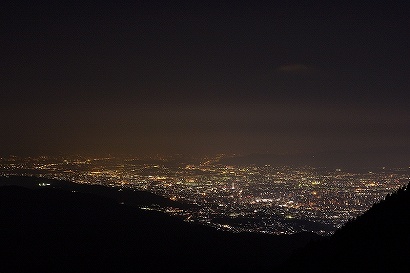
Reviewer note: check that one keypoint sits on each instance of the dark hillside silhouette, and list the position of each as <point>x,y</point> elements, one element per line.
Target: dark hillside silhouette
<point>377,241</point>
<point>128,196</point>
<point>55,230</point>
<point>88,230</point>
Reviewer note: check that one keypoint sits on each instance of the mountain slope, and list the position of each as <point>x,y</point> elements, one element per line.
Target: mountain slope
<point>54,230</point>
<point>129,196</point>
<point>377,241</point>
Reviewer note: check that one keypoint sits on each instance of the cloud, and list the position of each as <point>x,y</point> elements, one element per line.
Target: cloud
<point>296,68</point>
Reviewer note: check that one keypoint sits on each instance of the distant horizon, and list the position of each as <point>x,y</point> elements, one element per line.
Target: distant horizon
<point>399,149</point>
<point>359,158</point>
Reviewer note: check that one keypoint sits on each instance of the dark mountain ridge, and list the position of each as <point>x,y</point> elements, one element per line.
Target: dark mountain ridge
<point>129,196</point>
<point>58,230</point>
<point>377,241</point>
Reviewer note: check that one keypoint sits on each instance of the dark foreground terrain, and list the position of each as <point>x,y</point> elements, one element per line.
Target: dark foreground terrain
<point>58,229</point>
<point>53,229</point>
<point>377,241</point>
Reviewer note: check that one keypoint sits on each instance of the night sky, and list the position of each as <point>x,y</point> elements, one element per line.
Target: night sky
<point>149,77</point>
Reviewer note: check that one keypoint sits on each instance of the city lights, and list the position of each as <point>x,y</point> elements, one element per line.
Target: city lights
<point>268,199</point>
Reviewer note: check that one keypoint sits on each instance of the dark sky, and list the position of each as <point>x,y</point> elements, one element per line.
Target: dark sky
<point>147,77</point>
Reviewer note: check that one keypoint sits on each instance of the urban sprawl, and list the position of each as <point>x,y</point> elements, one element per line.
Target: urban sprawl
<point>252,198</point>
